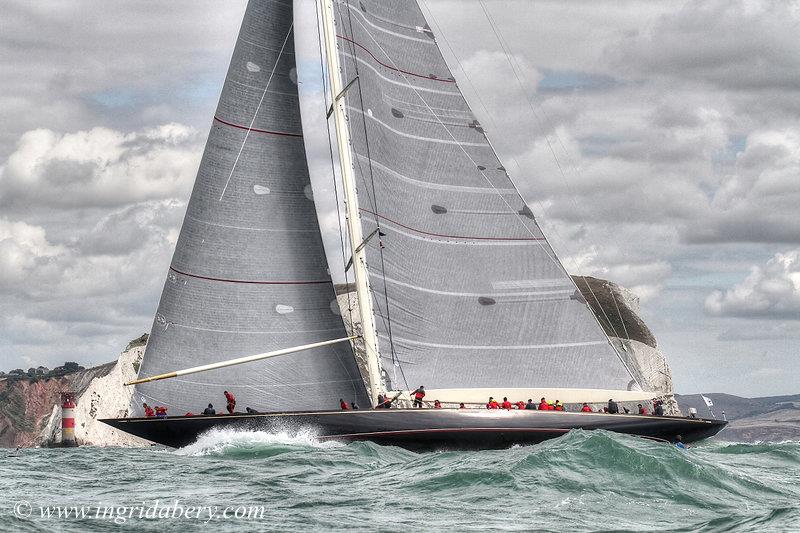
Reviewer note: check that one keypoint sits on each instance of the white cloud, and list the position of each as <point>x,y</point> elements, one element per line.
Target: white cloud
<point>99,167</point>
<point>770,291</point>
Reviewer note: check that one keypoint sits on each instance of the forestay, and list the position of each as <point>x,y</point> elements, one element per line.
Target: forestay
<point>249,274</point>
<point>467,292</point>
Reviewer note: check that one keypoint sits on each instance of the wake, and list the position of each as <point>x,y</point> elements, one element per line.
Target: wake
<point>241,442</point>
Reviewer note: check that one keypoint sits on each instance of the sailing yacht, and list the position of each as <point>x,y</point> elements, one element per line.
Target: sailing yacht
<point>457,287</point>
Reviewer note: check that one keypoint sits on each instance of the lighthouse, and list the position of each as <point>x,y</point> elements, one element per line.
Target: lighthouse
<point>68,420</point>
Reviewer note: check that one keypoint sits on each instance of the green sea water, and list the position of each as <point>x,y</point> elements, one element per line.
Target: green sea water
<point>254,481</point>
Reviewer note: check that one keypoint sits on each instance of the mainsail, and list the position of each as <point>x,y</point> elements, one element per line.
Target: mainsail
<point>467,292</point>
<point>249,273</point>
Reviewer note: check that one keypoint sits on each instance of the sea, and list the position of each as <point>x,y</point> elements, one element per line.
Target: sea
<point>258,481</point>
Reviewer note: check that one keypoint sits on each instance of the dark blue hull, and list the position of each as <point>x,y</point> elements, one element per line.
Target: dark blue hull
<point>423,429</point>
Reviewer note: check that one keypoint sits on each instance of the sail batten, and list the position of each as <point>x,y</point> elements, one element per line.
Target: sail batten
<point>249,273</point>
<point>455,227</point>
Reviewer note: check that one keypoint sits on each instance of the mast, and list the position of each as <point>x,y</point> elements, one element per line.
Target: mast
<point>351,202</point>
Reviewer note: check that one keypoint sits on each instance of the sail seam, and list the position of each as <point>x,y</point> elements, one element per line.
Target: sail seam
<point>437,186</point>
<point>245,228</point>
<point>253,282</point>
<point>450,236</point>
<point>423,76</point>
<point>398,83</point>
<point>567,292</point>
<point>454,141</point>
<point>270,132</point>
<point>498,347</point>
<point>384,30</point>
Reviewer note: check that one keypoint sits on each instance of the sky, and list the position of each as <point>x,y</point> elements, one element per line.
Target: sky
<point>657,142</point>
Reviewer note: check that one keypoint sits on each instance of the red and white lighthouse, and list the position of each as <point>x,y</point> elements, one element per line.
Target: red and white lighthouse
<point>68,419</point>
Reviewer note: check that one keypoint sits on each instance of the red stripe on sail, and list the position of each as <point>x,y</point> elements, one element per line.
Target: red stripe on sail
<point>282,133</point>
<point>226,280</point>
<point>391,67</point>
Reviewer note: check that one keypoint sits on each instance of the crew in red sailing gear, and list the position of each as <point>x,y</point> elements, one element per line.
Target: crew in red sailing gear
<point>148,411</point>
<point>543,405</point>
<point>492,404</point>
<point>343,405</point>
<point>520,405</point>
<point>231,399</point>
<point>559,406</point>
<point>161,412</point>
<point>586,408</point>
<point>437,404</point>
<point>418,394</point>
<point>506,404</point>
<point>642,410</point>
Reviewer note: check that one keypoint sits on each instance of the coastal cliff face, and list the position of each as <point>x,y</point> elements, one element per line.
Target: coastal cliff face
<point>30,409</point>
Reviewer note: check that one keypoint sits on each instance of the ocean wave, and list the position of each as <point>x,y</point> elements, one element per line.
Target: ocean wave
<point>244,443</point>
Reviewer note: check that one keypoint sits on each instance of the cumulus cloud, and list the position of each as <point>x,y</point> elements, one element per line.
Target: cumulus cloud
<point>735,45</point>
<point>770,291</point>
<point>757,200</point>
<point>99,167</point>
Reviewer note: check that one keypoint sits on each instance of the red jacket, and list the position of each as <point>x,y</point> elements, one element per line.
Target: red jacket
<point>148,411</point>
<point>520,405</point>
<point>492,405</point>
<point>643,411</point>
<point>344,406</point>
<point>586,409</point>
<point>543,406</point>
<point>506,405</point>
<point>230,397</point>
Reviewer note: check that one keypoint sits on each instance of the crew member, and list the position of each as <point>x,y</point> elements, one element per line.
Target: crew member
<point>209,410</point>
<point>148,411</point>
<point>642,410</point>
<point>461,406</point>
<point>387,402</point>
<point>679,442</point>
<point>354,405</point>
<point>543,405</point>
<point>231,399</point>
<point>613,408</point>
<point>161,412</point>
<point>343,405</point>
<point>437,404</point>
<point>586,408</point>
<point>379,404</point>
<point>520,405</point>
<point>506,404</point>
<point>492,404</point>
<point>559,406</point>
<point>418,395</point>
<point>658,408</point>
<point>530,406</point>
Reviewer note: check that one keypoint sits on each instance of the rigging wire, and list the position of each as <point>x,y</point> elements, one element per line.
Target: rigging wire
<point>333,171</point>
<point>515,68</point>
<point>258,108</point>
<point>458,143</point>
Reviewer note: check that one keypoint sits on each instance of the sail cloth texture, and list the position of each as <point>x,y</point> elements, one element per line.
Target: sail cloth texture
<point>463,281</point>
<point>249,273</point>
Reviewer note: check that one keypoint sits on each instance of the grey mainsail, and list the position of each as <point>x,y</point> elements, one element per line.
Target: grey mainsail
<point>249,273</point>
<point>467,292</point>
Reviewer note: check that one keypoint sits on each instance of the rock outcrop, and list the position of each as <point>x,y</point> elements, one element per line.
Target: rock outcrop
<point>30,412</point>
